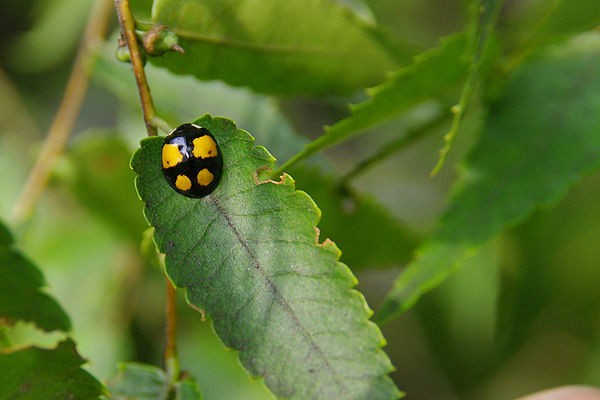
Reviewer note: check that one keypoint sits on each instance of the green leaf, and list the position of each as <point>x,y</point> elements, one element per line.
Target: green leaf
<point>35,373</point>
<point>146,382</point>
<point>187,389</point>
<point>292,47</point>
<point>248,254</point>
<point>460,319</point>
<point>484,15</point>
<point>101,175</point>
<point>541,23</point>
<point>431,74</point>
<point>367,232</point>
<point>540,139</point>
<point>568,16</point>
<point>21,290</point>
<point>6,238</point>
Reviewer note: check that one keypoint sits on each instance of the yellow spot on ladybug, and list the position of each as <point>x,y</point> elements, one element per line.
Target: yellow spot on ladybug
<point>171,155</point>
<point>205,177</point>
<point>183,182</point>
<point>205,147</point>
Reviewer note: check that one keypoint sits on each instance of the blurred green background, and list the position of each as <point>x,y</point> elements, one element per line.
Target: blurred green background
<point>522,315</point>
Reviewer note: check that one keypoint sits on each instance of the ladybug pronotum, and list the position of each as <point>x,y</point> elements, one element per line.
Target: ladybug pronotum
<point>191,160</point>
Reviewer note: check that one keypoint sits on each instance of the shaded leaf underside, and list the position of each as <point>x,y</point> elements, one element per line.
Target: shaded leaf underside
<point>292,47</point>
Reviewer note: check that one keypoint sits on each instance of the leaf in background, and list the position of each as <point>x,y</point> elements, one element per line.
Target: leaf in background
<point>537,142</point>
<point>431,74</point>
<point>6,238</point>
<point>248,254</point>
<point>460,319</point>
<point>146,382</point>
<point>187,389</point>
<point>370,234</point>
<point>352,229</point>
<point>35,373</point>
<point>141,9</point>
<point>538,23</point>
<point>21,291</point>
<point>294,47</point>
<point>568,16</point>
<point>101,175</point>
<point>483,19</point>
<point>557,271</point>
<point>53,37</point>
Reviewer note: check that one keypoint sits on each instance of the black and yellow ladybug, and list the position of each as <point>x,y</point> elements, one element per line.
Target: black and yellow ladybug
<point>191,160</point>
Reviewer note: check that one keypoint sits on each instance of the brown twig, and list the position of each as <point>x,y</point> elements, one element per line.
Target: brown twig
<point>128,31</point>
<point>127,23</point>
<point>170,355</point>
<point>62,125</point>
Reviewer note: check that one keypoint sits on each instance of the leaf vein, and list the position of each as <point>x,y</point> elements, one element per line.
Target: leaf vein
<point>314,347</point>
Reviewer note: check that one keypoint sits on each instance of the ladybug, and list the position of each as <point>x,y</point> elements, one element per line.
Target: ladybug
<point>191,161</point>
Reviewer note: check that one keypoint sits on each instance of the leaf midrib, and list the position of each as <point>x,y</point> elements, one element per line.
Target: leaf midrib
<point>263,47</point>
<point>275,291</point>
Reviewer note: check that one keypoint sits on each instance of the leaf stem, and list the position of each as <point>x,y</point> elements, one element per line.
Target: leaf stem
<point>308,150</point>
<point>129,35</point>
<point>170,356</point>
<point>128,32</point>
<point>64,120</point>
<point>487,11</point>
<point>458,111</point>
<point>394,146</point>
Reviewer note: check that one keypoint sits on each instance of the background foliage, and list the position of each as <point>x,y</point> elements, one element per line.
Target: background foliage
<point>500,248</point>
